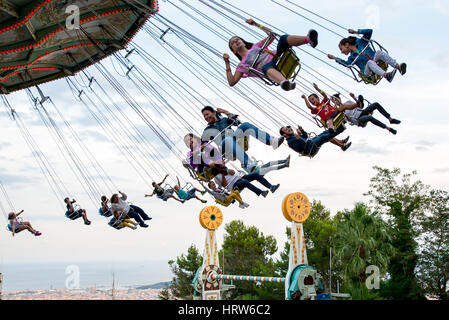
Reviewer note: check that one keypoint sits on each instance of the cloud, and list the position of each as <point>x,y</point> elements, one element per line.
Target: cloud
<point>369,149</point>
<point>441,170</point>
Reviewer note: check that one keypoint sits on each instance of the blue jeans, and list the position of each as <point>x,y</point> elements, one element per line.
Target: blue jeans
<point>245,182</point>
<point>281,48</point>
<point>313,146</point>
<point>137,214</point>
<point>231,149</point>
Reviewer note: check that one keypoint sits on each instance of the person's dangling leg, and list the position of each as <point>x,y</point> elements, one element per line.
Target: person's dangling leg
<point>376,106</point>
<point>365,119</point>
<point>260,179</point>
<point>125,224</point>
<point>134,215</point>
<point>372,67</point>
<point>233,196</point>
<point>243,184</point>
<point>247,129</point>
<point>231,149</point>
<point>140,212</point>
<point>385,57</point>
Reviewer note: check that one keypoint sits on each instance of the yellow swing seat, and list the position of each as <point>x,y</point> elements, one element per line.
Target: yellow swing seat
<point>375,78</point>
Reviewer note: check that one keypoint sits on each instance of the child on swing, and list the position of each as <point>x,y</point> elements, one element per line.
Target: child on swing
<point>15,225</point>
<point>247,53</point>
<point>368,59</point>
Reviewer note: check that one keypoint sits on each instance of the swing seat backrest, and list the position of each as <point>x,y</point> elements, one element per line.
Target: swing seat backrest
<point>289,65</point>
<point>375,78</point>
<point>206,175</point>
<point>339,120</point>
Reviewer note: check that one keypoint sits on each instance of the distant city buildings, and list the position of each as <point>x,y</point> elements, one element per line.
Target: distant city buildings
<point>84,294</point>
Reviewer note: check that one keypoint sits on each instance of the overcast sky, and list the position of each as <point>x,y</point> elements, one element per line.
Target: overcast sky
<point>412,31</point>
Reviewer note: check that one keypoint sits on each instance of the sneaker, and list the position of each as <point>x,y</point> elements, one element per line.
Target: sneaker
<point>403,68</point>
<point>37,234</point>
<point>203,192</point>
<point>264,193</point>
<point>143,225</point>
<point>346,146</point>
<point>390,75</point>
<point>361,101</point>
<point>87,222</point>
<point>277,142</point>
<point>393,131</point>
<point>245,204</point>
<point>204,201</point>
<point>313,38</point>
<point>149,218</point>
<point>242,206</point>
<point>287,85</point>
<point>134,227</point>
<point>346,140</point>
<point>274,188</point>
<point>394,121</point>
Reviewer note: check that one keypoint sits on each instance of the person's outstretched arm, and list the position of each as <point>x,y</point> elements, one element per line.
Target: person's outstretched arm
<point>254,23</point>
<point>321,92</point>
<point>366,33</point>
<point>308,103</point>
<point>124,196</point>
<point>233,79</point>
<point>163,180</point>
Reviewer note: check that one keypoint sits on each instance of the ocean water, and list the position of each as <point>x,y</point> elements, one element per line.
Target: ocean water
<point>24,277</point>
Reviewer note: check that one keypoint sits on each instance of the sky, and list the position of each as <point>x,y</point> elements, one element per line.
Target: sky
<point>412,31</point>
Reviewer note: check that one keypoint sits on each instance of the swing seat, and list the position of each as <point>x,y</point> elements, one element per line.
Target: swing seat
<point>289,65</point>
<point>375,78</point>
<point>339,120</point>
<point>9,228</point>
<point>107,214</point>
<point>73,215</point>
<point>206,175</point>
<point>116,224</point>
<point>167,193</point>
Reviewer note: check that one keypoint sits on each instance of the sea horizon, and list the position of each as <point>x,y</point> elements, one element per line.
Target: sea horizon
<point>82,275</point>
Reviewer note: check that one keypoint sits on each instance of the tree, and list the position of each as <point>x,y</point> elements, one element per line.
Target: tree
<point>402,204</point>
<point>433,262</point>
<point>248,252</point>
<point>318,231</point>
<point>184,270</point>
<point>361,240</point>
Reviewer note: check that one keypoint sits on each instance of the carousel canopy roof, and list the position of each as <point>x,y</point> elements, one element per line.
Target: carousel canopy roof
<point>37,45</point>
